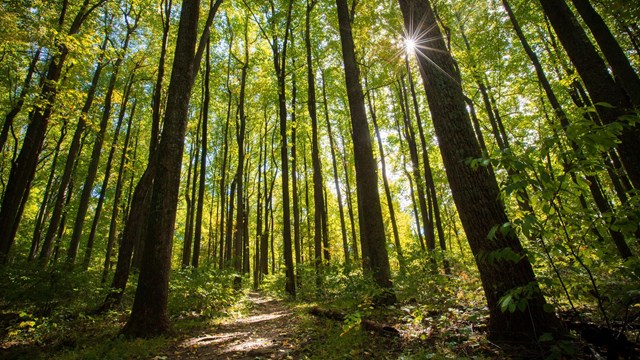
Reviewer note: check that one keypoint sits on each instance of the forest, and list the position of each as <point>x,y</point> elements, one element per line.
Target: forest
<point>319,179</point>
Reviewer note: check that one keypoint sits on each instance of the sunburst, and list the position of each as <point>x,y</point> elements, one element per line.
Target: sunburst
<point>416,40</point>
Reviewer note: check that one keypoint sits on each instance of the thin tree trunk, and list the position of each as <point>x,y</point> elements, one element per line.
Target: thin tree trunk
<point>190,193</point>
<point>347,182</point>
<point>111,239</point>
<point>74,150</point>
<point>414,205</point>
<point>387,190</point>
<point>15,109</point>
<point>43,210</point>
<point>372,236</point>
<point>279,62</point>
<point>257,273</point>
<point>241,126</point>
<point>336,179</point>
<point>107,174</point>
<point>294,177</point>
<point>427,221</point>
<point>92,172</point>
<point>430,186</point>
<point>225,152</point>
<point>203,162</point>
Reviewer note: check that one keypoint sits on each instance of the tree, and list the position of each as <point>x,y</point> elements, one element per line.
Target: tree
<point>149,314</point>
<point>475,190</point>
<point>279,57</point>
<point>372,236</point>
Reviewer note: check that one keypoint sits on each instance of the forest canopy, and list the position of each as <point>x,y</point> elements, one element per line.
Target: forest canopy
<point>395,161</point>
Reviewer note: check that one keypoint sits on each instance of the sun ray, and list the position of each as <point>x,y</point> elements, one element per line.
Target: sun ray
<point>415,41</point>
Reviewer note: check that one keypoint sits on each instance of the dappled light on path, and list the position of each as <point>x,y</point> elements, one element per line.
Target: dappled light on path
<point>267,332</point>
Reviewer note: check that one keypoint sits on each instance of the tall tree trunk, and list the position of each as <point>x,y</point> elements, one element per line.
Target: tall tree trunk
<point>387,190</point>
<point>133,229</point>
<point>43,210</point>
<point>336,180</point>
<point>294,177</point>
<point>111,239</point>
<point>279,62</point>
<point>409,135</point>
<point>347,183</point>
<point>156,105</point>
<point>225,152</point>
<point>430,186</point>
<point>107,174</point>
<point>268,208</point>
<point>262,153</point>
<point>412,192</point>
<point>190,193</point>
<point>241,126</point>
<point>142,189</point>
<point>319,226</point>
<point>203,161</point>
<point>149,315</point>
<point>372,236</point>
<point>475,191</point>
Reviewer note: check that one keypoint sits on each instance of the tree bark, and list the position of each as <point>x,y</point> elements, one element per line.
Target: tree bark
<point>387,190</point>
<point>149,315</point>
<point>279,62</point>
<point>336,179</point>
<point>203,161</point>
<point>372,236</point>
<point>241,126</point>
<point>427,221</point>
<point>43,210</point>
<point>476,192</point>
<point>430,186</point>
<point>107,174</point>
<point>319,226</point>
<point>111,239</point>
<point>295,198</point>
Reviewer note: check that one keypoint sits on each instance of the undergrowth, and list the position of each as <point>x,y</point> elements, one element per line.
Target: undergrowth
<point>49,313</point>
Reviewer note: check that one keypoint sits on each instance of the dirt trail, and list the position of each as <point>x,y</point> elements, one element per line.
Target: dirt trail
<point>268,332</point>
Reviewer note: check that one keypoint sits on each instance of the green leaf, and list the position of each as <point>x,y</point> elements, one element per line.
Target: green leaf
<point>492,232</point>
<point>546,337</point>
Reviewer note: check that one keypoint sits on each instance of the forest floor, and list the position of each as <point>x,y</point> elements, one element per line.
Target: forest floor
<point>277,329</point>
<point>270,330</point>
